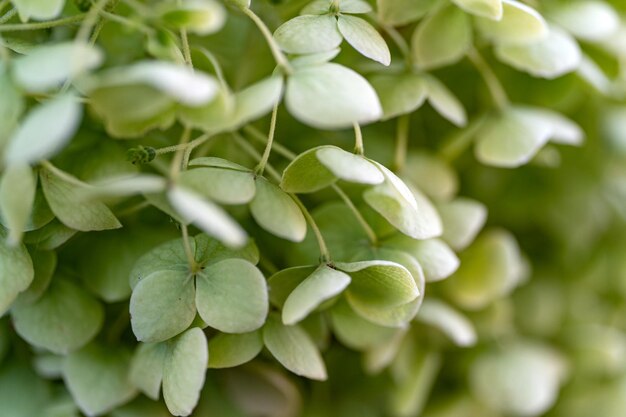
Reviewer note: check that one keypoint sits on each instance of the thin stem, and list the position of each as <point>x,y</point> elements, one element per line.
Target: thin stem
<point>8,15</point>
<point>460,141</point>
<point>279,57</point>
<point>270,139</point>
<point>357,214</point>
<point>178,156</point>
<point>124,21</point>
<point>42,25</point>
<point>186,50</point>
<point>358,138</point>
<point>91,19</point>
<point>250,150</point>
<point>133,209</point>
<point>216,66</point>
<point>261,138</point>
<point>188,252</point>
<point>324,252</point>
<point>194,143</point>
<point>498,94</point>
<point>402,142</point>
<point>400,42</point>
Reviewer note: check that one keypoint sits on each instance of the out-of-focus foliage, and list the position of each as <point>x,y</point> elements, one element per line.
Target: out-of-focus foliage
<point>312,208</point>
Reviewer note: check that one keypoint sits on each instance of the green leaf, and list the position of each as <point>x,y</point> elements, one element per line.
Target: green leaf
<point>257,100</point>
<point>201,17</point>
<point>231,296</point>
<point>331,96</point>
<point>393,316</point>
<point>146,368</point>
<point>401,12</point>
<point>444,102</point>
<point>491,9</point>
<point>215,116</point>
<point>167,256</point>
<point>379,283</point>
<point>323,284</point>
<point>399,94</point>
<point>65,195</point>
<point>97,378</point>
<point>11,105</point>
<point>132,110</point>
<point>397,204</point>
<point>230,350</point>
<point>225,186</point>
<point>38,9</point>
<point>434,176</point>
<point>17,197</point>
<point>452,323</point>
<point>306,174</point>
<point>519,24</point>
<point>433,48</point>
<point>551,57</point>
<point>436,258</point>
<point>191,88</point>
<point>354,331</point>
<point>22,392</point>
<point>534,365</point>
<point>345,6</point>
<point>348,166</point>
<point>44,265</point>
<point>171,256</point>
<point>107,279</point>
<point>126,185</point>
<point>282,283</point>
<point>209,217</point>
<point>55,120</point>
<point>16,272</point>
<point>364,38</point>
<point>184,371</point>
<point>50,236</point>
<point>322,166</point>
<point>588,20</point>
<point>462,220</point>
<point>512,138</point>
<point>490,269</point>
<point>277,212</point>
<point>294,349</point>
<point>162,305</point>
<point>63,61</point>
<point>308,34</point>
<point>64,319</point>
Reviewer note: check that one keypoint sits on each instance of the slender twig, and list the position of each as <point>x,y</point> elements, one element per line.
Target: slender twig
<point>188,252</point>
<point>216,66</point>
<point>194,143</point>
<point>279,57</point>
<point>250,150</point>
<point>460,140</point>
<point>402,142</point>
<point>321,243</point>
<point>358,140</point>
<point>357,214</point>
<point>91,19</point>
<point>270,139</point>
<point>261,138</point>
<point>176,165</point>
<point>498,95</point>
<point>184,40</point>
<point>124,21</point>
<point>42,25</point>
